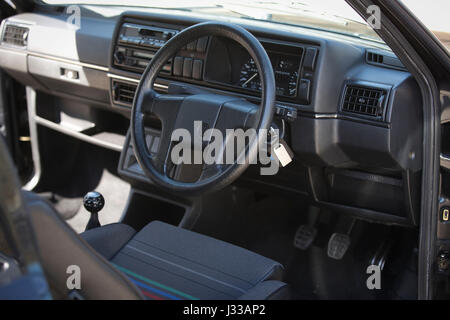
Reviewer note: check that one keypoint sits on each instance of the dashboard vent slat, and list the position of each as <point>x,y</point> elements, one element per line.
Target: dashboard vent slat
<point>15,35</point>
<point>123,93</point>
<point>385,60</point>
<point>374,57</point>
<point>364,101</point>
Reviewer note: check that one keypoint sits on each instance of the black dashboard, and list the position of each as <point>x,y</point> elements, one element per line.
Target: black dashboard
<point>217,62</point>
<point>348,108</point>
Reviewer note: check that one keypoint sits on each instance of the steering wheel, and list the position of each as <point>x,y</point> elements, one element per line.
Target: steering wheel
<point>179,111</point>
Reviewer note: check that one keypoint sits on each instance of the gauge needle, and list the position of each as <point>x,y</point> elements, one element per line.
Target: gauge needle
<point>250,79</point>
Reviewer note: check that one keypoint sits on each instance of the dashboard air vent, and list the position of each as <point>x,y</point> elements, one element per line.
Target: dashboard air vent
<point>364,101</point>
<point>15,35</point>
<point>384,59</point>
<point>123,92</point>
<point>374,57</point>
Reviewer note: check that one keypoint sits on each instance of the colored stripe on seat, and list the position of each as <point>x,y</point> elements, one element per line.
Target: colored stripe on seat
<point>154,290</point>
<point>151,296</point>
<point>154,283</point>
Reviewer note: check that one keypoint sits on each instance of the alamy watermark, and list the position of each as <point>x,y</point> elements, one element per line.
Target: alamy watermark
<point>74,19</point>
<point>374,19</point>
<point>374,280</point>
<point>73,281</point>
<point>211,146</point>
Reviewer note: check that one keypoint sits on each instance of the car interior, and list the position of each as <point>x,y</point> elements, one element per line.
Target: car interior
<point>88,130</point>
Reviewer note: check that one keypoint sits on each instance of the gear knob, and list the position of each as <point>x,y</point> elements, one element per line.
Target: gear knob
<point>93,202</point>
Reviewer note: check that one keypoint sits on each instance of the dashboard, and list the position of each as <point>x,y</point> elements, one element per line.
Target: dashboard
<point>217,61</point>
<point>348,108</point>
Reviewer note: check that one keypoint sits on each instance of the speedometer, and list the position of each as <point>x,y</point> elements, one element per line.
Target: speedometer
<point>249,77</point>
<point>286,75</point>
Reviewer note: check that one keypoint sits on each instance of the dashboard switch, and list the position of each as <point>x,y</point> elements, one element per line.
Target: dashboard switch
<point>178,66</point>
<point>286,112</point>
<point>304,90</point>
<point>119,57</point>
<point>310,58</point>
<point>197,69</point>
<point>201,44</point>
<point>187,68</point>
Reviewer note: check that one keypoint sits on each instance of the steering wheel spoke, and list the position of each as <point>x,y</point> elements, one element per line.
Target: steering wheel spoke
<point>211,170</point>
<point>161,159</point>
<point>162,105</point>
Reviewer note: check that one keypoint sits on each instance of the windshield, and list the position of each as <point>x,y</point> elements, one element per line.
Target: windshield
<point>434,15</point>
<point>332,15</point>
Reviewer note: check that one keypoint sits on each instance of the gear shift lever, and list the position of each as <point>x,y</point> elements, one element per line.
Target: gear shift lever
<point>93,202</point>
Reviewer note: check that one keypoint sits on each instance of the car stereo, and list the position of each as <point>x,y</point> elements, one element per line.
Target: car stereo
<point>137,44</point>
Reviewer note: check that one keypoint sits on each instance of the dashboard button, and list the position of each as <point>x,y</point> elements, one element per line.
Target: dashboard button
<point>201,44</point>
<point>304,90</point>
<point>178,66</point>
<point>187,67</point>
<point>310,58</point>
<point>197,69</point>
<point>286,112</point>
<point>119,57</point>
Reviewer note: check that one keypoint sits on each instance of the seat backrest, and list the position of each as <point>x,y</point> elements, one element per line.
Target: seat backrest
<point>60,247</point>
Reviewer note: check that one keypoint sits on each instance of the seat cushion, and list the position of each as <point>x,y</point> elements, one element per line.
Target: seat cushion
<point>168,262</point>
<point>109,239</point>
<point>59,247</point>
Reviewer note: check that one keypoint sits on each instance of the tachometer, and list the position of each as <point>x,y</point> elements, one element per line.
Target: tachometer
<point>286,75</point>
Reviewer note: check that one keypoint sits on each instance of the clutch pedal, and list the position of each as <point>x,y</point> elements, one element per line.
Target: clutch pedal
<point>306,233</point>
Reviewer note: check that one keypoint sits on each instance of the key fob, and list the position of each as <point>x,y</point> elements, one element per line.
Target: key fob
<point>283,153</point>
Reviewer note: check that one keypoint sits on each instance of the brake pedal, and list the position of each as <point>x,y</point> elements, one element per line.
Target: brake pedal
<point>338,245</point>
<point>304,236</point>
